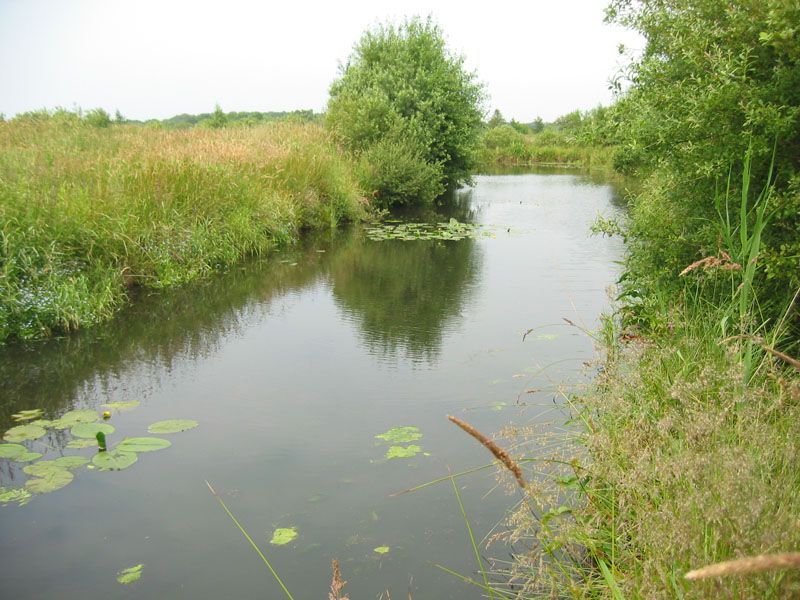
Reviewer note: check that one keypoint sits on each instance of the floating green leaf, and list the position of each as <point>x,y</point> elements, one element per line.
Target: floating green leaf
<point>403,452</point>
<point>283,535</point>
<point>89,430</point>
<point>50,481</point>
<point>27,457</point>
<point>143,444</point>
<point>547,336</point>
<point>382,549</point>
<point>42,468</point>
<point>18,495</point>
<point>42,423</point>
<point>12,450</point>
<point>122,405</point>
<point>28,415</point>
<point>499,405</point>
<point>401,435</point>
<point>81,443</point>
<point>73,417</point>
<point>172,426</point>
<point>71,462</point>
<point>20,433</point>
<point>452,230</point>
<point>114,460</point>
<point>129,575</point>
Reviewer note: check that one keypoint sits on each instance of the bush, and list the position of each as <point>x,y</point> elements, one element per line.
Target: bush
<point>402,88</point>
<point>97,117</point>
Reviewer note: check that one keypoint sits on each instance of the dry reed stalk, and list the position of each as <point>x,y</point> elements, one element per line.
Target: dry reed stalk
<point>337,583</point>
<point>784,357</point>
<point>712,262</point>
<point>751,564</point>
<point>492,447</point>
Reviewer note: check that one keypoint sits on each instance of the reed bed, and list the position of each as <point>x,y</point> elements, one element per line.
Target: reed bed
<point>86,213</point>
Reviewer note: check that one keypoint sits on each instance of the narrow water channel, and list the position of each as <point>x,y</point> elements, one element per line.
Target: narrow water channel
<point>292,365</point>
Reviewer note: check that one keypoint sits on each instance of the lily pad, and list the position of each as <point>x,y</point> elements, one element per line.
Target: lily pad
<point>172,426</point>
<point>403,451</point>
<point>28,415</point>
<point>114,460</point>
<point>283,535</point>
<point>42,423</point>
<point>20,433</point>
<point>401,435</point>
<point>89,430</point>
<point>12,450</point>
<point>382,549</point>
<point>547,337</point>
<point>122,405</point>
<point>81,443</point>
<point>71,462</point>
<point>42,468</point>
<point>73,417</point>
<point>51,481</point>
<point>27,457</point>
<point>129,575</point>
<point>18,495</point>
<point>143,444</point>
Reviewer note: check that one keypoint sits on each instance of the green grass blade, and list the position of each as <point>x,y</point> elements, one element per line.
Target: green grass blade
<point>610,580</point>
<point>249,539</point>
<point>475,550</point>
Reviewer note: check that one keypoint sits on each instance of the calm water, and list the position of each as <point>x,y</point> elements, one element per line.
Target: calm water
<point>292,365</point>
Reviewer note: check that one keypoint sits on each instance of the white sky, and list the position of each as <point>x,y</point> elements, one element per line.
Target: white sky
<point>155,59</point>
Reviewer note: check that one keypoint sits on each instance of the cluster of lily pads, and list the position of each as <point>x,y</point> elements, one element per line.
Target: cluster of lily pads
<point>452,230</point>
<point>88,428</point>
<point>402,435</point>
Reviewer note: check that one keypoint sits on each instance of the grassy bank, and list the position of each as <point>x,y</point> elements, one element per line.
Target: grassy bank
<point>88,212</point>
<point>504,146</point>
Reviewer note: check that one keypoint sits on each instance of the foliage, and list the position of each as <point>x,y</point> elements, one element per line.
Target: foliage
<point>717,80</point>
<point>87,213</point>
<point>217,119</point>
<point>97,117</point>
<point>402,95</point>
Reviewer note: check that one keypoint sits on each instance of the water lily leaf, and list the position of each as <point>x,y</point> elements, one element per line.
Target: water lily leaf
<point>41,468</point>
<point>27,457</point>
<point>28,415</point>
<point>114,460</point>
<point>172,426</point>
<point>403,452</point>
<point>401,435</point>
<point>50,481</point>
<point>130,405</point>
<point>382,549</point>
<point>18,495</point>
<point>89,430</point>
<point>73,417</point>
<point>283,535</point>
<point>71,462</point>
<point>12,450</point>
<point>20,433</point>
<point>499,405</point>
<point>143,444</point>
<point>547,336</point>
<point>42,423</point>
<point>129,575</point>
<point>81,443</point>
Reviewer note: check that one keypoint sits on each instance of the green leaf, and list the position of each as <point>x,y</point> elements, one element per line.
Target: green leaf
<point>283,535</point>
<point>401,435</point>
<point>129,575</point>
<point>114,460</point>
<point>50,481</point>
<point>382,549</point>
<point>20,433</point>
<point>71,462</point>
<point>403,452</point>
<point>89,430</point>
<point>12,450</point>
<point>143,444</point>
<point>122,405</point>
<point>73,417</point>
<point>27,457</point>
<point>41,468</point>
<point>172,426</point>
<point>28,415</point>
<point>81,443</point>
<point>19,495</point>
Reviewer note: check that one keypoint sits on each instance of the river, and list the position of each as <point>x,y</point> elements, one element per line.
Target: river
<point>292,364</point>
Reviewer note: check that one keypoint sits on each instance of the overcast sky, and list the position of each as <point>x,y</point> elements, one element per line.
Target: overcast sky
<point>155,59</point>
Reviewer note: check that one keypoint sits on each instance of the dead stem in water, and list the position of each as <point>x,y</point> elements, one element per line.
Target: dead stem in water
<point>337,583</point>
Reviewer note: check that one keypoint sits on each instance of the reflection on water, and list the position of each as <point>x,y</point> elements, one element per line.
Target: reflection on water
<point>291,365</point>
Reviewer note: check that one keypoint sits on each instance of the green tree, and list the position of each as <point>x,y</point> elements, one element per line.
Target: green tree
<point>403,96</point>
<point>537,126</point>
<point>97,117</point>
<point>497,119</point>
<point>217,120</point>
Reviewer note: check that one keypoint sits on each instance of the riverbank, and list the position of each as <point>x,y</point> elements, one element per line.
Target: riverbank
<point>88,212</point>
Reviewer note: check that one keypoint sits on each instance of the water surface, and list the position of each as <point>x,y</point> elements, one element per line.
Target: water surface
<point>292,364</point>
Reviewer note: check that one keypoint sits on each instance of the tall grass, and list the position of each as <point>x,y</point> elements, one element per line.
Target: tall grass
<point>88,212</point>
<point>689,455</point>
